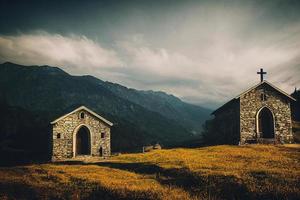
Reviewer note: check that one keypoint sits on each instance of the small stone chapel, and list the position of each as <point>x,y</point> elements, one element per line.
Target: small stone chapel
<point>261,114</point>
<point>81,132</point>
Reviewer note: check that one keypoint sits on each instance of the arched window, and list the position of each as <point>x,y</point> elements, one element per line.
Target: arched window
<point>81,115</point>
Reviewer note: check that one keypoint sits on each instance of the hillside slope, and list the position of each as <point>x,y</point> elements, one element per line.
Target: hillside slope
<point>189,116</point>
<point>140,117</point>
<point>217,172</point>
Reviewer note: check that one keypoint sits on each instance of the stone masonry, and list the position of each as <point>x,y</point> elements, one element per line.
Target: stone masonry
<point>278,104</point>
<point>66,128</point>
<point>240,116</point>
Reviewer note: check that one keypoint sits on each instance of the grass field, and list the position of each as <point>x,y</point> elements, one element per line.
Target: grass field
<point>217,172</point>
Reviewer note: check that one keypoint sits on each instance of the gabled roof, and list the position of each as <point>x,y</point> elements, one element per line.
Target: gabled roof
<point>86,109</point>
<point>255,86</point>
<point>271,85</point>
<point>228,103</point>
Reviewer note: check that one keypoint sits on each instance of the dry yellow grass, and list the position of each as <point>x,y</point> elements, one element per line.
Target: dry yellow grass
<point>217,172</point>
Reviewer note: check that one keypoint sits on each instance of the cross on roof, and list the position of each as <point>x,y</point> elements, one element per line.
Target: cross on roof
<point>261,72</point>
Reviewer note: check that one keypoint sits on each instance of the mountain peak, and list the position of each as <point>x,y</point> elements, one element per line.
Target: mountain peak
<point>7,63</point>
<point>43,69</point>
<point>142,116</point>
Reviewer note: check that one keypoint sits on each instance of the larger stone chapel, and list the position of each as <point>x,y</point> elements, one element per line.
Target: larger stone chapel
<point>261,114</point>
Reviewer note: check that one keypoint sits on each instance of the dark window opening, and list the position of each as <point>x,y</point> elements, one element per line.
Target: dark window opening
<point>102,135</point>
<point>82,115</point>
<point>263,97</point>
<point>58,136</point>
<point>100,152</point>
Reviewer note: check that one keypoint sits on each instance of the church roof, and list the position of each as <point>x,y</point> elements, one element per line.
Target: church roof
<point>248,90</point>
<point>86,109</point>
<point>271,85</point>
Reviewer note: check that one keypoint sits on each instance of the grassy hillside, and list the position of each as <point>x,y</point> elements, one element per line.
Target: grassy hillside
<point>217,172</point>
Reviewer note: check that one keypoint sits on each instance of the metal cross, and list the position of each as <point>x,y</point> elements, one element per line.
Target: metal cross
<point>261,74</point>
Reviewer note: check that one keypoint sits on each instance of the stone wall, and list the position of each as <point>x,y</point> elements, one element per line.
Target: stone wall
<point>68,127</point>
<point>279,104</point>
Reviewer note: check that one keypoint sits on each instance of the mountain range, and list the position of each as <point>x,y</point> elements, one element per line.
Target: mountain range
<point>42,93</point>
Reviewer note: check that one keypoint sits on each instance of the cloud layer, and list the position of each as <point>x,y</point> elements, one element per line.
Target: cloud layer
<point>77,52</point>
<point>203,52</point>
<point>221,71</point>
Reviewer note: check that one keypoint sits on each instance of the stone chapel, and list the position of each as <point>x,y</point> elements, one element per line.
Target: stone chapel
<point>81,132</point>
<point>261,114</point>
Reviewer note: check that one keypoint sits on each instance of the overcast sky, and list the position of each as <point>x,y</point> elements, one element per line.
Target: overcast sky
<point>205,52</point>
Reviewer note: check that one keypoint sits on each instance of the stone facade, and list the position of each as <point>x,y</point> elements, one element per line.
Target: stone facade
<point>65,134</point>
<point>249,106</point>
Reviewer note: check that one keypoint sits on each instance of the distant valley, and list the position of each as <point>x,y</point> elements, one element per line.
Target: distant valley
<point>32,96</point>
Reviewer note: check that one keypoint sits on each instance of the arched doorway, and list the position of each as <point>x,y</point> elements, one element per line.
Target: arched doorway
<point>83,141</point>
<point>265,122</point>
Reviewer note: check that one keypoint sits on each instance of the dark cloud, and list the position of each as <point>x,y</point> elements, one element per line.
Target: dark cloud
<point>202,51</point>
